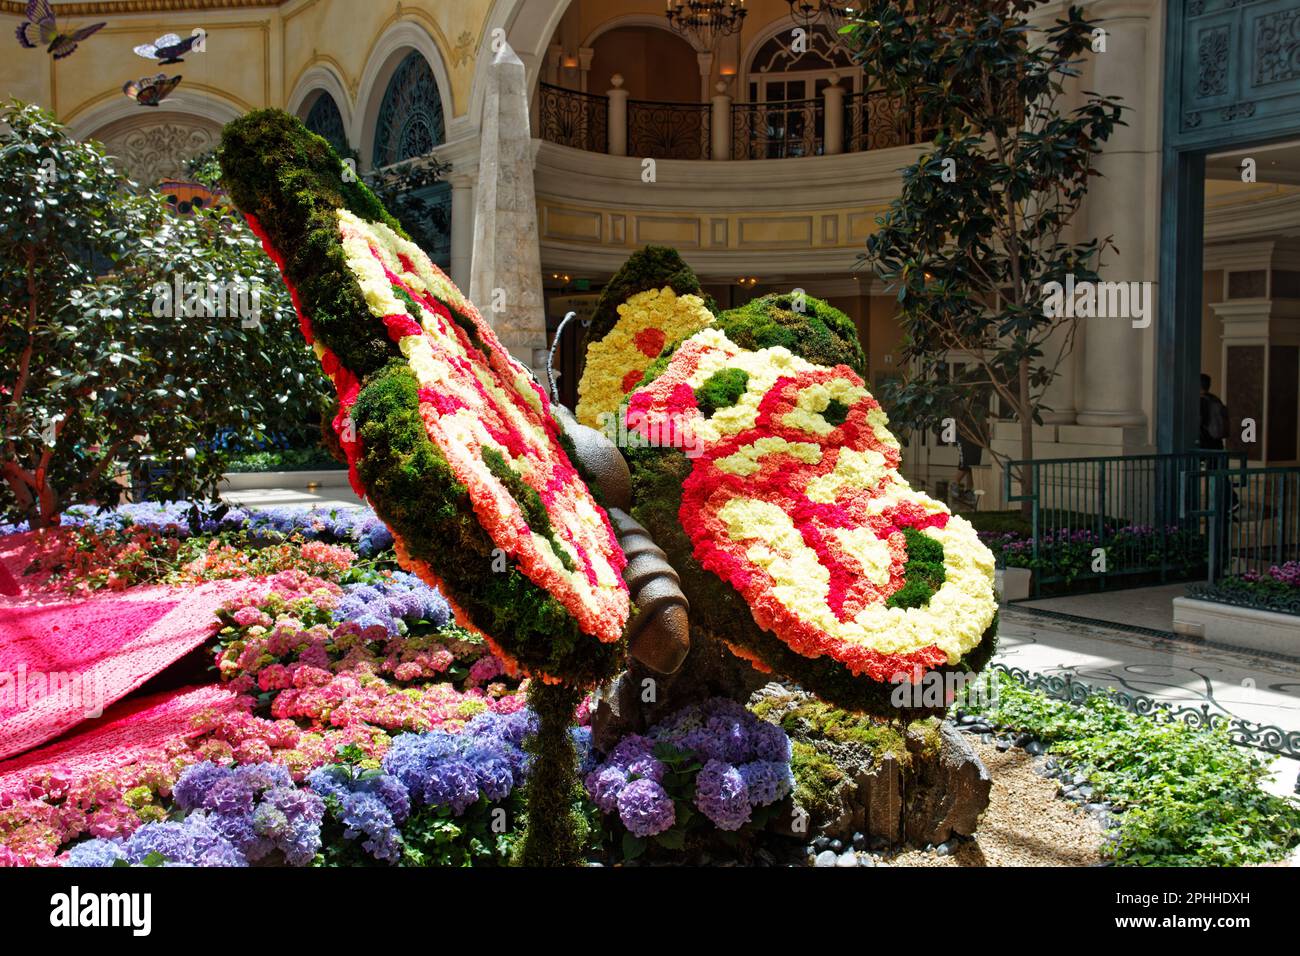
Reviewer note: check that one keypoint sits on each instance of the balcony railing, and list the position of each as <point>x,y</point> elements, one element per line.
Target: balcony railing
<point>668,130</point>
<point>838,121</point>
<point>573,118</point>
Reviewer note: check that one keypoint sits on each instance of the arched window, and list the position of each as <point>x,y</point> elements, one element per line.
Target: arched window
<point>780,72</point>
<point>324,119</point>
<point>410,121</point>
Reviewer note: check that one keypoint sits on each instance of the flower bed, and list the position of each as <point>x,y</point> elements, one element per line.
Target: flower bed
<point>1065,555</point>
<point>1277,589</point>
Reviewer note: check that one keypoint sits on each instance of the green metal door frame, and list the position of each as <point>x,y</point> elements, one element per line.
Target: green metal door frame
<point>1232,81</point>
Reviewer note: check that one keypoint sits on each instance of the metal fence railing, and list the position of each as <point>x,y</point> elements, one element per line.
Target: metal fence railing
<point>1256,524</point>
<point>1111,520</point>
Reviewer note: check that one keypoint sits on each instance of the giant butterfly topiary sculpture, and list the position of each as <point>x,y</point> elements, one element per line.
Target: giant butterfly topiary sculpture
<point>448,436</point>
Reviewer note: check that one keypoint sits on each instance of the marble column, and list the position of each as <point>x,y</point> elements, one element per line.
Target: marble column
<point>1117,205</point>
<point>462,228</point>
<point>506,272</point>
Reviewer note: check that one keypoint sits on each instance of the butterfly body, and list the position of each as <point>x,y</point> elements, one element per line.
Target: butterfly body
<point>167,49</point>
<point>151,90</point>
<point>41,29</point>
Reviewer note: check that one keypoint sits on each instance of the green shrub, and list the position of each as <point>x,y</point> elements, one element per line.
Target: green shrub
<point>1188,796</point>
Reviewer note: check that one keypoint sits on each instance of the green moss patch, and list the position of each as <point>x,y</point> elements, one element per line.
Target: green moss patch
<point>722,390</point>
<point>819,332</point>
<point>923,572</point>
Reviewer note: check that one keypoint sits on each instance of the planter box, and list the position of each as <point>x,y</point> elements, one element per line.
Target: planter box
<point>1013,584</point>
<point>1239,626</point>
<point>252,480</point>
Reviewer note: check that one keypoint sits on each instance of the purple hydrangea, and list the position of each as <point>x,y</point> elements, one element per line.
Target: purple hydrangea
<point>255,808</point>
<point>722,796</point>
<point>746,763</point>
<point>365,814</point>
<point>645,808</point>
<point>454,770</point>
<point>604,784</point>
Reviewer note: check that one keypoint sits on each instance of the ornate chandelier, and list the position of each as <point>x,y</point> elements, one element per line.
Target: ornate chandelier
<point>706,20</point>
<point>827,13</point>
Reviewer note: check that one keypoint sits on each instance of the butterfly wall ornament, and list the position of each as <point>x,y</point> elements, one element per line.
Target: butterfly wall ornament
<point>168,48</point>
<point>40,29</point>
<point>151,90</point>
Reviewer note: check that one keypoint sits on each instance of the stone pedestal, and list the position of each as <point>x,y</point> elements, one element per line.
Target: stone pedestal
<point>506,282</point>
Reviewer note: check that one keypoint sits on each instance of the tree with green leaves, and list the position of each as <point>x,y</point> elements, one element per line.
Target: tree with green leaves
<point>133,340</point>
<point>982,223</point>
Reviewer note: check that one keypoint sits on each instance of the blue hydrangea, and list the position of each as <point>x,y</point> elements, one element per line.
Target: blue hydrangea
<point>189,842</point>
<point>767,781</point>
<point>95,853</point>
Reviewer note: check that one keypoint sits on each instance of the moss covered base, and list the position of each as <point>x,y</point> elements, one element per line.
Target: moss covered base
<point>891,781</point>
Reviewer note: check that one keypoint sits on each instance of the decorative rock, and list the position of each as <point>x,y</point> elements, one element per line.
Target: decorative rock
<point>837,845</point>
<point>859,841</point>
<point>825,858</point>
<point>1036,748</point>
<point>943,849</point>
<point>846,859</point>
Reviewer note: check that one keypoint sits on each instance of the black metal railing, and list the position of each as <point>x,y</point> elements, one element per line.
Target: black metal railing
<point>778,130</point>
<point>880,120</point>
<point>573,118</point>
<point>668,130</point>
<point>1107,521</point>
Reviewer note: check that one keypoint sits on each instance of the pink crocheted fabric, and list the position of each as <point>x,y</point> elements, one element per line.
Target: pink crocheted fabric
<point>130,731</point>
<point>62,663</point>
<point>17,552</point>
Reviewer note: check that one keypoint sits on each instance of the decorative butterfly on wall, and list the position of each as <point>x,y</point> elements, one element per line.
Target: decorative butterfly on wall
<point>168,48</point>
<point>151,90</point>
<point>41,28</point>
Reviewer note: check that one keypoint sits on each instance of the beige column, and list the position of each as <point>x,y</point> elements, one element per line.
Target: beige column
<point>1117,206</point>
<point>833,96</point>
<point>462,227</point>
<point>720,124</point>
<point>617,123</point>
